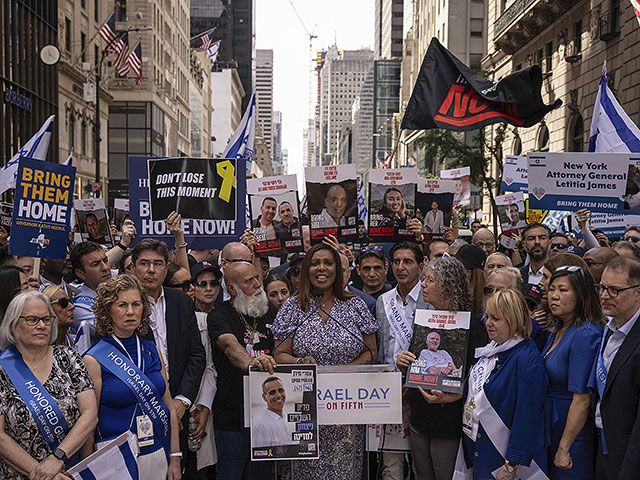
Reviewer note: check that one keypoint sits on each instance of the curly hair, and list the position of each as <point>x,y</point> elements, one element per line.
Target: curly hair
<point>452,283</point>
<point>108,293</point>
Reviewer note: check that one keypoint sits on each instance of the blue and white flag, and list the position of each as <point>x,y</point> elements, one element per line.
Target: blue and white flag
<point>69,161</point>
<point>116,461</point>
<point>241,144</point>
<point>212,52</point>
<point>36,148</point>
<point>362,204</point>
<point>611,128</point>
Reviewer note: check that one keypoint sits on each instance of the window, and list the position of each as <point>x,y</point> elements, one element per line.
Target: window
<point>475,60</point>
<point>476,27</point>
<point>576,134</point>
<point>543,139</point>
<point>83,44</point>
<point>67,34</point>
<point>548,57</point>
<point>577,34</point>
<point>538,57</point>
<point>83,4</point>
<point>72,132</point>
<point>96,10</point>
<point>615,16</point>
<point>83,138</point>
<point>516,147</point>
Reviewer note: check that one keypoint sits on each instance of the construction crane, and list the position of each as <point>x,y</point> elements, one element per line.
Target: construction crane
<point>310,58</point>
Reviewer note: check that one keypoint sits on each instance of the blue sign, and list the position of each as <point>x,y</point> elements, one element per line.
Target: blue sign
<point>199,233</point>
<point>515,176</point>
<point>18,100</point>
<point>42,209</point>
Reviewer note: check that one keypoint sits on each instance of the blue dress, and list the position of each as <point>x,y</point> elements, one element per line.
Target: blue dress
<point>118,405</point>
<point>569,366</point>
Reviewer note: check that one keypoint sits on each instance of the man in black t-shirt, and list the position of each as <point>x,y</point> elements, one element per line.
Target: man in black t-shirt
<point>240,338</point>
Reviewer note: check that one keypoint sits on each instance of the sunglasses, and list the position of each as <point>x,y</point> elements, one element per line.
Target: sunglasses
<point>559,246</point>
<point>489,290</point>
<point>62,302</point>
<point>631,239</point>
<point>204,283</point>
<point>185,286</point>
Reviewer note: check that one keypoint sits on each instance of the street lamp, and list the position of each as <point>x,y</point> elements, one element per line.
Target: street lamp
<point>98,79</point>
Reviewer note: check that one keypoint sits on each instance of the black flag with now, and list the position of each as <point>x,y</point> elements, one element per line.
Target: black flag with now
<point>448,94</point>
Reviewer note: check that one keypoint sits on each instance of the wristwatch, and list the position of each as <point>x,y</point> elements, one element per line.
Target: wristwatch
<point>186,405</point>
<point>60,454</point>
<point>510,467</point>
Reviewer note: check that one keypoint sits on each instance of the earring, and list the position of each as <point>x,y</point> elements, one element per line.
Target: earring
<point>110,329</point>
<point>140,329</point>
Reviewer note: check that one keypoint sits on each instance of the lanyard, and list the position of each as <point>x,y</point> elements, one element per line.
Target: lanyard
<point>140,365</point>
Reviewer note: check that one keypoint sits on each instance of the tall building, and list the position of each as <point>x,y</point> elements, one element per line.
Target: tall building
<point>200,105</point>
<point>152,117</point>
<point>309,144</point>
<point>226,101</point>
<point>362,121</point>
<point>277,137</point>
<point>29,86</point>
<point>264,95</point>
<point>285,161</point>
<point>341,75</point>
<point>389,19</point>
<point>386,90</point>
<point>234,22</point>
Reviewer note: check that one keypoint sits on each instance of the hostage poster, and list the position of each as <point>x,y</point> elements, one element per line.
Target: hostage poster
<point>392,203</point>
<point>199,232</point>
<point>332,201</point>
<point>284,413</point>
<point>511,211</point>
<point>434,202</point>
<point>275,216</point>
<point>440,345</point>
<point>92,221</point>
<point>462,192</point>
<point>42,209</point>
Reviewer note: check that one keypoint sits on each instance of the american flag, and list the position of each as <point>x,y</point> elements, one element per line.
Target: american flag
<point>108,30</point>
<point>206,42</point>
<point>636,8</point>
<point>121,61</point>
<point>134,60</point>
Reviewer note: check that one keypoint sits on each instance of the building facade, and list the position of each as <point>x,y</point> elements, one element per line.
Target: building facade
<point>29,87</point>
<point>278,167</point>
<point>264,95</point>
<point>362,122</point>
<point>226,102</point>
<point>388,28</point>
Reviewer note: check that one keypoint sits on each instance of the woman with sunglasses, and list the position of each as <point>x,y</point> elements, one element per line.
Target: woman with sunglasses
<point>35,371</point>
<point>205,279</point>
<point>576,330</point>
<point>179,277</point>
<point>63,308</point>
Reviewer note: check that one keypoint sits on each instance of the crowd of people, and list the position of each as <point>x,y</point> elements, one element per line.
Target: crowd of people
<point>551,374</point>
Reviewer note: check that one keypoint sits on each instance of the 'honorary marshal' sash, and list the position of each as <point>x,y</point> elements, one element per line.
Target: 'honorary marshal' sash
<point>144,390</point>
<point>402,329</point>
<point>43,408</point>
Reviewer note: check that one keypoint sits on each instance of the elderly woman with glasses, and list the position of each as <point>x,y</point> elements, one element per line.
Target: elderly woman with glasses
<point>576,329</point>
<point>63,308</point>
<point>33,371</point>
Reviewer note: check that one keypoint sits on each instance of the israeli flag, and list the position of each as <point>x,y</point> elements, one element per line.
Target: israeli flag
<point>115,461</point>
<point>82,341</point>
<point>69,161</point>
<point>36,148</point>
<point>362,204</point>
<point>611,128</point>
<point>241,144</point>
<point>212,52</point>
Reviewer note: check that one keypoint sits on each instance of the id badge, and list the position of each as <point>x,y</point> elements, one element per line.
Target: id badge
<point>255,338</point>
<point>145,431</point>
<point>467,419</point>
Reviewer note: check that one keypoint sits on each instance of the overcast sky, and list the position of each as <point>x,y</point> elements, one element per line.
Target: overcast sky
<point>348,23</point>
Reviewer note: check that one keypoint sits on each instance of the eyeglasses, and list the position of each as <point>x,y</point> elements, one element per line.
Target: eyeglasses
<point>63,302</point>
<point>424,278</point>
<point>569,268</point>
<point>375,248</point>
<point>559,246</point>
<point>32,320</point>
<point>146,264</point>
<point>236,260</point>
<point>377,251</point>
<point>185,286</point>
<point>631,239</point>
<point>612,291</point>
<point>591,263</point>
<point>489,290</point>
<point>204,283</point>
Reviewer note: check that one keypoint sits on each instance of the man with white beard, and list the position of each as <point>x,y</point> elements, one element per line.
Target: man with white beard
<point>241,339</point>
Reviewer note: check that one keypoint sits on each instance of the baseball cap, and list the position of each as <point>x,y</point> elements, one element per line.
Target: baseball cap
<point>198,268</point>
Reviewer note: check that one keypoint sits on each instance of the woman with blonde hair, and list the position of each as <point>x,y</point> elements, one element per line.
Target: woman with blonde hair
<point>63,308</point>
<point>135,398</point>
<point>503,419</point>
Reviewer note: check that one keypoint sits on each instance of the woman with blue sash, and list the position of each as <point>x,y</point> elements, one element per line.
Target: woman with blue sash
<point>568,356</point>
<point>130,380</point>
<point>47,403</point>
<point>503,422</point>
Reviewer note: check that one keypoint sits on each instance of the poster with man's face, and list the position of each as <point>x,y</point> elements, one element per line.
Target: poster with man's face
<point>462,192</point>
<point>92,221</point>
<point>120,211</point>
<point>332,201</point>
<point>434,201</point>
<point>275,216</point>
<point>284,413</point>
<point>511,211</point>
<point>392,203</point>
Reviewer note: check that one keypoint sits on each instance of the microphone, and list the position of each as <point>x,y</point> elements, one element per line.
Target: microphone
<point>317,294</point>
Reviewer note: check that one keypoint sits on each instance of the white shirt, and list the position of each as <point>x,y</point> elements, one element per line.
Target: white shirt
<point>440,358</point>
<point>535,277</point>
<point>611,350</point>
<point>407,311</point>
<point>327,221</point>
<point>270,430</point>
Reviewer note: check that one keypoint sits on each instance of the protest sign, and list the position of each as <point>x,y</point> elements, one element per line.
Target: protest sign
<point>434,200</point>
<point>534,215</point>
<point>284,413</point>
<point>42,209</point>
<point>440,345</point>
<point>120,211</point>
<point>515,174</point>
<point>462,192</point>
<point>198,233</point>
<point>388,438</point>
<point>275,217</point>
<point>196,188</point>
<point>6,212</point>
<point>611,224</point>
<point>392,203</point>
<point>511,211</point>
<point>332,201</point>
<point>92,221</point>
<point>573,181</point>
